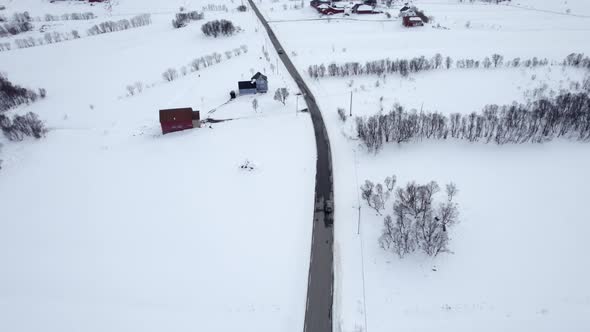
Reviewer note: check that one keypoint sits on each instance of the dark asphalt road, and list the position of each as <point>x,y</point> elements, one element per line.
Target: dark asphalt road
<point>320,287</point>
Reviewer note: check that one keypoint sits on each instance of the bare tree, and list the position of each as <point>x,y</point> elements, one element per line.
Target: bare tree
<point>281,95</point>
<point>255,104</point>
<point>170,74</point>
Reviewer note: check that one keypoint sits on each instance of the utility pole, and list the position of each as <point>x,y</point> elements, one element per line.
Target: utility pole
<point>358,225</point>
<point>350,103</point>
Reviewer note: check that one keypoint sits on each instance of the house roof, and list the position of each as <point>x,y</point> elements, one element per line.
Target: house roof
<point>259,75</point>
<point>415,19</point>
<point>246,85</point>
<point>176,114</point>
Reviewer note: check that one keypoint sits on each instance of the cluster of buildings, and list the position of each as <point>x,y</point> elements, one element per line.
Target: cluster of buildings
<point>177,119</point>
<point>330,7</point>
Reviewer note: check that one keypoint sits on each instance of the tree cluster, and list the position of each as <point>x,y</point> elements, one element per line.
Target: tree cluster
<point>113,26</point>
<point>14,28</point>
<point>14,95</point>
<point>218,27</point>
<point>242,8</point>
<point>183,19</point>
<point>418,222</point>
<point>19,126</point>
<point>567,116</point>
<point>404,67</point>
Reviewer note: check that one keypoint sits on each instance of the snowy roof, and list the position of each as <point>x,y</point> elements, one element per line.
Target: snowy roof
<point>323,6</point>
<point>259,75</point>
<point>415,19</point>
<point>365,7</point>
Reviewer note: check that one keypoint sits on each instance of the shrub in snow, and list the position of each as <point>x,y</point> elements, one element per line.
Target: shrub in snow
<point>247,165</point>
<point>218,27</point>
<point>418,222</point>
<point>281,95</point>
<point>342,114</point>
<point>242,8</point>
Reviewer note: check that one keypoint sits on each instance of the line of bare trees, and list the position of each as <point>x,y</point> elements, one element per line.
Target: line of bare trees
<point>182,19</point>
<point>58,37</point>
<point>203,62</point>
<point>48,38</point>
<point>404,67</point>
<point>416,220</point>
<point>12,95</point>
<point>195,65</point>
<point>567,116</point>
<point>21,22</point>
<point>69,17</point>
<point>113,26</point>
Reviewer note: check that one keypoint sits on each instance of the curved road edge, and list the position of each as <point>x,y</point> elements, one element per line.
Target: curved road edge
<point>320,287</point>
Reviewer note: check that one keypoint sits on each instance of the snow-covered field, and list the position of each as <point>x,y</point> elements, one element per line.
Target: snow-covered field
<point>109,226</point>
<point>518,261</point>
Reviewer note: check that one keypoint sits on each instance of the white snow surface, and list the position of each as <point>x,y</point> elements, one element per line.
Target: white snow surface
<point>107,225</point>
<point>518,255</point>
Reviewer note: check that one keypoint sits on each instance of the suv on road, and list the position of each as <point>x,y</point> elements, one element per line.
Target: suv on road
<point>328,206</point>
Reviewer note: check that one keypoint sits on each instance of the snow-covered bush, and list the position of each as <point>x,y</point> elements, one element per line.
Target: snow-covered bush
<point>218,27</point>
<point>242,8</point>
<point>418,222</point>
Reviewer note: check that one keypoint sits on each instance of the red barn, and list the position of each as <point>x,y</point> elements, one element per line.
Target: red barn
<point>412,21</point>
<point>177,119</point>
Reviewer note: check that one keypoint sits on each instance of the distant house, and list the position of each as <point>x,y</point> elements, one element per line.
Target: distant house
<point>177,119</point>
<point>412,21</point>
<point>261,82</point>
<point>258,83</point>
<point>364,9</point>
<point>407,11</point>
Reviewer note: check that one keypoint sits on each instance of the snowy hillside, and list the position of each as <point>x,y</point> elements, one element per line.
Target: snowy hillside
<point>107,225</point>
